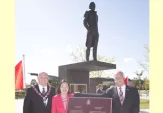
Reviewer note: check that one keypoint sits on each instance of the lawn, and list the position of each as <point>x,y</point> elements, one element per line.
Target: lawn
<point>144,91</point>
<point>144,104</point>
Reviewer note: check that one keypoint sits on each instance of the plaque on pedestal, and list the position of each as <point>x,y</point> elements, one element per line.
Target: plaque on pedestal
<point>89,105</point>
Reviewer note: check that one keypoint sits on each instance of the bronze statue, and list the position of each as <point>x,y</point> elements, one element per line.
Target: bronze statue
<point>91,24</point>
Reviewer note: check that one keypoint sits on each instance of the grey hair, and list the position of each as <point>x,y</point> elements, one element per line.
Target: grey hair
<point>42,73</point>
<point>119,72</point>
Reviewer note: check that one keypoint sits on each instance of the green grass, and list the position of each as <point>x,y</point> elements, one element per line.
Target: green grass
<point>144,104</point>
<point>143,92</point>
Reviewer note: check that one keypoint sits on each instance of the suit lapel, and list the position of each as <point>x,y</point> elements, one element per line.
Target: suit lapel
<point>116,96</point>
<point>49,98</point>
<point>116,93</point>
<point>39,97</point>
<point>126,95</point>
<point>48,102</point>
<point>37,88</point>
<point>47,88</point>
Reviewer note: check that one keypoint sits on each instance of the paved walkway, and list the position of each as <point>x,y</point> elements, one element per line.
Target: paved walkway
<point>144,96</point>
<point>19,107</point>
<point>144,111</point>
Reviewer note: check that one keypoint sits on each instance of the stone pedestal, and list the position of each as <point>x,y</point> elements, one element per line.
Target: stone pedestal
<point>78,73</point>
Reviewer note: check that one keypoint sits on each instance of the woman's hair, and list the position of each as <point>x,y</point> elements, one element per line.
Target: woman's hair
<point>63,81</point>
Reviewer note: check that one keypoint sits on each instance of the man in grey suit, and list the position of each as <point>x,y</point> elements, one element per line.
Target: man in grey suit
<point>125,99</point>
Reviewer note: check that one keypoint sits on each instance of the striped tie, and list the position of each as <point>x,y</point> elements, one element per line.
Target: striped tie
<point>121,96</point>
<point>43,91</point>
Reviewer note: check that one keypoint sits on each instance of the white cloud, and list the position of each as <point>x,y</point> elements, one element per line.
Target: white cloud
<point>114,38</point>
<point>47,51</point>
<point>69,48</point>
<point>128,59</point>
<point>111,72</point>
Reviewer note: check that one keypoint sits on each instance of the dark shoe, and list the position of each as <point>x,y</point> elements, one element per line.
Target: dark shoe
<point>95,59</point>
<point>87,59</point>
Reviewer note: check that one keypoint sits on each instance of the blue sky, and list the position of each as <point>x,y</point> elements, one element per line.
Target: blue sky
<point>47,32</point>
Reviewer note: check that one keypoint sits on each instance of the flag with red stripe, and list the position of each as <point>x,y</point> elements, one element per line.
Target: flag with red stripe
<point>126,80</point>
<point>19,83</point>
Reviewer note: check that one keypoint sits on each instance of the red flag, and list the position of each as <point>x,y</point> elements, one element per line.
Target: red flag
<point>19,76</point>
<point>126,80</point>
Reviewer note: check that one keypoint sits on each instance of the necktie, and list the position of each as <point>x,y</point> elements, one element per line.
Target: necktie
<point>121,96</point>
<point>43,91</point>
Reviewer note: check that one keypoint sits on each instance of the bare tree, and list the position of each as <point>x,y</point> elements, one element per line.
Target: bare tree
<point>79,56</point>
<point>145,63</point>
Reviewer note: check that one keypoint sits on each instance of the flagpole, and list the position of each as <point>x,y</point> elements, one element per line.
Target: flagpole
<point>24,70</point>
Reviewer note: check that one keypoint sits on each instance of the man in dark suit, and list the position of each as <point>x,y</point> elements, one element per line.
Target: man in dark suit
<point>131,83</point>
<point>125,99</point>
<point>38,98</point>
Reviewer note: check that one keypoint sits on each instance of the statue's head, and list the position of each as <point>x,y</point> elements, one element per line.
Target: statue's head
<point>92,6</point>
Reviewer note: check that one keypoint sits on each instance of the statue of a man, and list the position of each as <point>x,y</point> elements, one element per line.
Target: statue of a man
<point>91,24</point>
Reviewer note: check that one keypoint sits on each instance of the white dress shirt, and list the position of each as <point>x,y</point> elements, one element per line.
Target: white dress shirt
<point>41,89</point>
<point>123,90</point>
